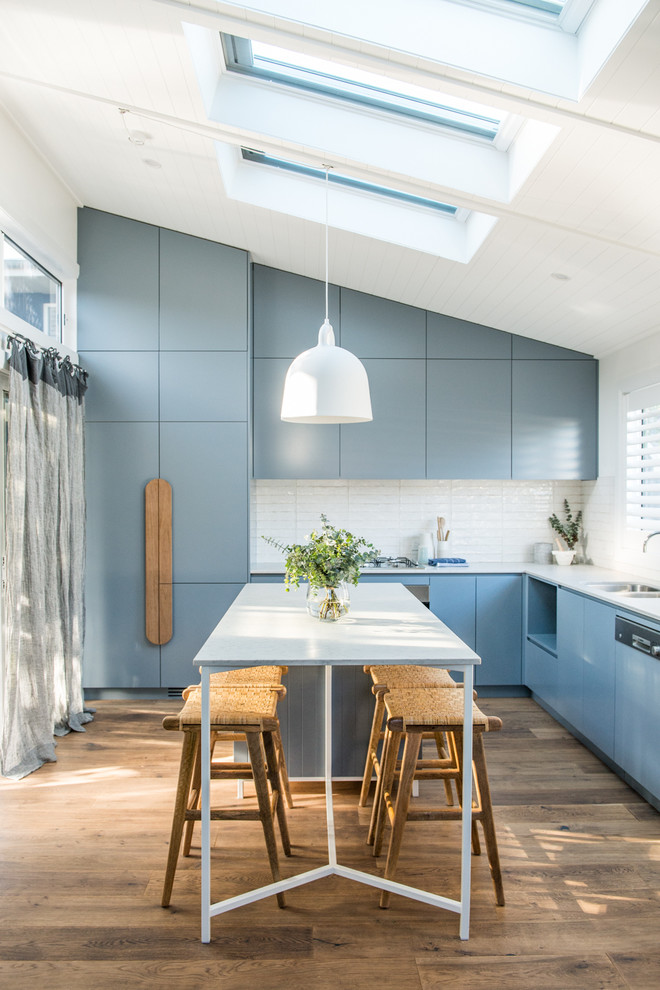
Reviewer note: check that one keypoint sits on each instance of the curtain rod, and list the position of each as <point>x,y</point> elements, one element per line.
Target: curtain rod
<point>52,352</point>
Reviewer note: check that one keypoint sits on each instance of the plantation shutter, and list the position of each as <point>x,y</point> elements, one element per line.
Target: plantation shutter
<point>643,459</point>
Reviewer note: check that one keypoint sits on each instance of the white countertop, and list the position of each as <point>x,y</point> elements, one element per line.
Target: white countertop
<point>386,624</point>
<point>575,577</point>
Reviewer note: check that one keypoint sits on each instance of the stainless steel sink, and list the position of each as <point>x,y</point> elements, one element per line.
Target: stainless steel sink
<point>630,590</point>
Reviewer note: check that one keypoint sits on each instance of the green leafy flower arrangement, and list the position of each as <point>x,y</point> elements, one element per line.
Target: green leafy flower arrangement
<point>331,555</point>
<point>569,530</point>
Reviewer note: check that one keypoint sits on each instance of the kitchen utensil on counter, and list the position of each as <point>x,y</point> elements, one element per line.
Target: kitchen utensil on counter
<point>443,548</point>
<point>441,528</point>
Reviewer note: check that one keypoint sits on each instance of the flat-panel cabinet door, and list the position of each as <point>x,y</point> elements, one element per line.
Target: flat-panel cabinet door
<point>599,675</point>
<point>287,450</point>
<point>452,597</point>
<point>206,465</point>
<point>570,657</point>
<point>288,311</point>
<point>120,459</point>
<point>555,419</point>
<point>203,294</point>
<point>468,419</point>
<point>499,629</point>
<point>372,327</point>
<point>197,609</point>
<point>118,285</point>
<point>393,445</point>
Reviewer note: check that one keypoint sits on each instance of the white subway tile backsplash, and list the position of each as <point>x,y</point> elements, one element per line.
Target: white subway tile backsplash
<point>489,520</point>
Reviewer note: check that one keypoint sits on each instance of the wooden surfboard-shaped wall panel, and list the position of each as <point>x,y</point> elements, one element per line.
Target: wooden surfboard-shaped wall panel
<point>158,560</point>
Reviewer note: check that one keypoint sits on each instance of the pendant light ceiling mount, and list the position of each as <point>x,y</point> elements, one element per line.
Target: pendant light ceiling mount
<point>326,384</point>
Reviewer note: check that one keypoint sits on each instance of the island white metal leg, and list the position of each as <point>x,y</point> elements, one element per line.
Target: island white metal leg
<point>462,907</point>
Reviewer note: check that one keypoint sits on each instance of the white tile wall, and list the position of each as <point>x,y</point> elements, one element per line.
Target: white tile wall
<point>489,520</point>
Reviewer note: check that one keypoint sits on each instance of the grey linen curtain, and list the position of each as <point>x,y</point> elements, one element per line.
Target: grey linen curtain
<point>45,548</point>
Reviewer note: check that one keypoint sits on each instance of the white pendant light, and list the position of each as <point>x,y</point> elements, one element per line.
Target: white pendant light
<point>326,384</point>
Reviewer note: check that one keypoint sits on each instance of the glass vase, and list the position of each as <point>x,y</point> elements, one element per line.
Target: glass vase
<point>328,604</point>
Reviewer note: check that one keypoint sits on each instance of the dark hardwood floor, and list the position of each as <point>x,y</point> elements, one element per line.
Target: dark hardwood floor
<point>84,843</point>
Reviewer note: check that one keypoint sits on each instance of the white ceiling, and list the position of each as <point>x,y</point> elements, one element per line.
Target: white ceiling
<point>590,209</point>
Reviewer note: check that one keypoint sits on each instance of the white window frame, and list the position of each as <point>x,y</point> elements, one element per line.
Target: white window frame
<point>642,396</point>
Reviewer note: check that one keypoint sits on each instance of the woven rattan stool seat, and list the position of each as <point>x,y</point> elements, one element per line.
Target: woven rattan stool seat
<point>432,707</point>
<point>252,676</point>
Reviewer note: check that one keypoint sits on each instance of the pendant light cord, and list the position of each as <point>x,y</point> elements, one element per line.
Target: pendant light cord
<point>327,179</point>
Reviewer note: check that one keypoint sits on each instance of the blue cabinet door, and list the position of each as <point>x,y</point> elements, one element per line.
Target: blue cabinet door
<point>540,672</point>
<point>451,338</point>
<point>118,284</point>
<point>452,597</point>
<point>570,652</point>
<point>120,459</point>
<point>555,419</point>
<point>288,311</point>
<point>372,327</point>
<point>393,445</point>
<point>599,675</point>
<point>468,419</point>
<point>203,294</point>
<point>206,465</point>
<point>499,628</point>
<point>197,609</point>
<point>287,450</point>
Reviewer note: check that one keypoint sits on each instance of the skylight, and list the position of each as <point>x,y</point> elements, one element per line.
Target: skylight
<point>260,158</point>
<point>550,6</point>
<point>354,85</point>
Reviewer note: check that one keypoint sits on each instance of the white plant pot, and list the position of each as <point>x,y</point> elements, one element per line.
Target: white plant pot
<point>563,556</point>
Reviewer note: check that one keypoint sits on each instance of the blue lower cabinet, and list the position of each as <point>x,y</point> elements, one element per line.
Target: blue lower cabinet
<point>499,629</point>
<point>452,597</point>
<point>570,657</point>
<point>599,675</point>
<point>540,673</point>
<point>196,611</point>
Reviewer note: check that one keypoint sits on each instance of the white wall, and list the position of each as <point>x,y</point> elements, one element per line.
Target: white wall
<point>496,521</point>
<point>631,367</point>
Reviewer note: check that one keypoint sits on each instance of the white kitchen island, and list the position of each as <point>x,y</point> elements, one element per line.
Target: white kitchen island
<point>386,625</point>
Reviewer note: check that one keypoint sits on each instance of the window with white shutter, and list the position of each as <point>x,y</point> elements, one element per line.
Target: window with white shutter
<point>642,501</point>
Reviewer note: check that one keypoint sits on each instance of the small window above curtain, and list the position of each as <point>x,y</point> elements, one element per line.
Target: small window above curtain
<point>642,492</point>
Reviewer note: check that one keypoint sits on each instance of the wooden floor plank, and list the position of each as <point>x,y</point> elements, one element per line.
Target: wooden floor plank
<point>84,844</point>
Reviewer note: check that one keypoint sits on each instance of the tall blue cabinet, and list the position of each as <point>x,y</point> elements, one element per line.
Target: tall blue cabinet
<point>163,331</point>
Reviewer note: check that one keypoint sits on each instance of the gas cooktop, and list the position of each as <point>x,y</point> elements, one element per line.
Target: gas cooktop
<point>397,562</point>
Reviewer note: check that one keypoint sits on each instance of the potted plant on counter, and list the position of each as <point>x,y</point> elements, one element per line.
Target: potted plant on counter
<point>568,534</point>
<point>329,561</point>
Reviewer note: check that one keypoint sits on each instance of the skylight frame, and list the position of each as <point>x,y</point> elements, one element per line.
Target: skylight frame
<point>239,58</point>
<point>446,210</point>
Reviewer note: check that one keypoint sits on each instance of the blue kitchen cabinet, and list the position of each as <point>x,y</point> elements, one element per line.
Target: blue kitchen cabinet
<point>599,675</point>
<point>203,294</point>
<point>540,640</point>
<point>637,727</point>
<point>206,465</point>
<point>540,672</point>
<point>393,445</point>
<point>120,459</point>
<point>117,292</point>
<point>123,386</point>
<point>499,629</point>
<point>287,450</point>
<point>196,611</point>
<point>554,409</point>
<point>452,597</point>
<point>528,349</point>
<point>372,327</point>
<point>468,431</point>
<point>451,338</point>
<point>570,657</point>
<point>288,311</point>
<point>203,386</point>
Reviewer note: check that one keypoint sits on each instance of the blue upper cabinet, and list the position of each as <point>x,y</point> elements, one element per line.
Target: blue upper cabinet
<point>554,412</point>
<point>526,349</point>
<point>393,445</point>
<point>203,294</point>
<point>288,312</point>
<point>380,328</point>
<point>118,284</point>
<point>450,338</point>
<point>468,420</point>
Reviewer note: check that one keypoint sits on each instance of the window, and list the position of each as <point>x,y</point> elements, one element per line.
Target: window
<point>551,6</point>
<point>29,291</point>
<point>345,180</point>
<point>642,501</point>
<point>316,75</point>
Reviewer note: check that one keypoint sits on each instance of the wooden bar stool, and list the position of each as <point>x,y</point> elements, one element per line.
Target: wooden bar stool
<point>385,677</point>
<point>265,676</point>
<point>410,713</point>
<point>250,711</point>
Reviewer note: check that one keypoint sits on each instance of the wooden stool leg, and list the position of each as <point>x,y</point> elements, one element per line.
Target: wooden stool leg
<point>384,786</point>
<point>258,761</point>
<point>284,773</point>
<point>409,763</point>
<point>372,749</point>
<point>276,784</point>
<point>188,754</point>
<point>487,820</point>
<point>443,754</point>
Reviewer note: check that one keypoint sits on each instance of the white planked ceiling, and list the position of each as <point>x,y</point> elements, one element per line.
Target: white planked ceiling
<point>590,210</point>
